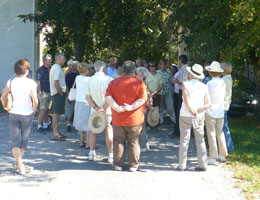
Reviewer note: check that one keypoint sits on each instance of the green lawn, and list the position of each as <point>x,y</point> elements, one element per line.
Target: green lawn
<point>245,160</point>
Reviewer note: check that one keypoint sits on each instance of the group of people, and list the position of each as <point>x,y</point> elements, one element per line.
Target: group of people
<point>124,93</point>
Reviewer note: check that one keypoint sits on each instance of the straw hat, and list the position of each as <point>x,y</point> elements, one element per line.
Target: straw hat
<point>214,67</point>
<point>197,71</point>
<point>153,117</point>
<point>97,122</point>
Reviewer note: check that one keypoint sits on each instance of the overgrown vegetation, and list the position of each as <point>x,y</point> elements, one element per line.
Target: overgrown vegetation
<point>245,160</point>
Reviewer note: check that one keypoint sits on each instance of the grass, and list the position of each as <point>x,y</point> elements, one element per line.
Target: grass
<point>245,160</point>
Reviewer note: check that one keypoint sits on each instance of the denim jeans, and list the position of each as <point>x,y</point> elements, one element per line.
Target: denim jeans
<point>227,133</point>
<point>168,102</point>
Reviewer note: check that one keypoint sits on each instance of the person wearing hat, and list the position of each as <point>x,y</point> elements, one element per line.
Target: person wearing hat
<point>195,102</point>
<point>214,117</point>
<point>127,96</point>
<point>96,90</point>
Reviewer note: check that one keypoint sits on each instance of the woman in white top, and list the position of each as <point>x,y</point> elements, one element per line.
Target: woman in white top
<point>215,115</point>
<point>82,108</point>
<point>195,102</point>
<point>24,105</point>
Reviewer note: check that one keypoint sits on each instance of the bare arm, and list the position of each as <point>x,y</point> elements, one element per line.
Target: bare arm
<point>111,101</point>
<point>206,105</point>
<point>57,86</point>
<point>4,93</point>
<point>34,100</point>
<point>38,86</point>
<point>186,100</point>
<point>137,104</point>
<point>157,90</point>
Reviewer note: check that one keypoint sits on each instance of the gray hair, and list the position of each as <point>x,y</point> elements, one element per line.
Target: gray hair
<point>69,62</point>
<point>45,56</point>
<point>59,55</point>
<point>99,65</point>
<point>129,67</point>
<point>74,63</point>
<point>142,70</point>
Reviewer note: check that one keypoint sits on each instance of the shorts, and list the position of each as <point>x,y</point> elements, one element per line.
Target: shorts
<point>69,108</point>
<point>58,104</point>
<point>20,129</point>
<point>45,100</point>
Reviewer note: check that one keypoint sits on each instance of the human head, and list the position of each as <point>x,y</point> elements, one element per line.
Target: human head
<point>83,68</point>
<point>119,69</point>
<point>21,67</point>
<point>47,60</point>
<point>139,62</point>
<point>113,61</point>
<point>60,59</point>
<point>129,67</point>
<point>182,60</point>
<point>74,66</point>
<point>162,65</point>
<point>99,65</point>
<point>195,72</point>
<point>174,69</point>
<point>153,66</point>
<point>141,73</point>
<point>214,69</point>
<point>227,67</point>
<point>91,69</point>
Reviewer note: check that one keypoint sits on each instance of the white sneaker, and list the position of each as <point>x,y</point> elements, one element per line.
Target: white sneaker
<point>221,158</point>
<point>212,161</point>
<point>110,160</point>
<point>143,150</point>
<point>91,157</point>
<point>133,169</point>
<point>118,168</point>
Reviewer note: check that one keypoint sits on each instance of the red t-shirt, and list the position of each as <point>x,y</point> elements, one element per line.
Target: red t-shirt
<point>127,90</point>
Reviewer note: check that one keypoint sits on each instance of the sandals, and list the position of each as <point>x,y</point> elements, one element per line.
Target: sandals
<point>58,138</point>
<point>23,170</point>
<point>82,144</point>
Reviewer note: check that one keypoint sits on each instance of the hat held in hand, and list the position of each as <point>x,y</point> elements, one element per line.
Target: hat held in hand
<point>153,117</point>
<point>97,122</point>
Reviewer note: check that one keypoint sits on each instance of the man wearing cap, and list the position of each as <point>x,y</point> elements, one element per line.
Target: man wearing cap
<point>127,96</point>
<point>96,91</point>
<point>195,102</point>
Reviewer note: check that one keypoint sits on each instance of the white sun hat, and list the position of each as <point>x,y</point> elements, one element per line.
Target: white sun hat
<point>197,71</point>
<point>214,67</point>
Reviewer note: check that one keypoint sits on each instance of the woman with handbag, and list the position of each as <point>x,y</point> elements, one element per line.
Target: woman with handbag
<point>82,108</point>
<point>23,104</point>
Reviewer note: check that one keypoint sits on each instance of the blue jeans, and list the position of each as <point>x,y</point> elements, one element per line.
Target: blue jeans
<point>227,133</point>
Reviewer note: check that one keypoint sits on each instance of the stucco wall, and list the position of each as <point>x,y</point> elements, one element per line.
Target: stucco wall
<point>17,39</point>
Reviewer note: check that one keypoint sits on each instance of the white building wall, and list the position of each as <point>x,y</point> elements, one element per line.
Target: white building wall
<point>17,39</point>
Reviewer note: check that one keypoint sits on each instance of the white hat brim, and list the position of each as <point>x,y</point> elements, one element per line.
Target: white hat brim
<point>149,118</point>
<point>219,70</point>
<point>202,76</point>
<point>91,119</point>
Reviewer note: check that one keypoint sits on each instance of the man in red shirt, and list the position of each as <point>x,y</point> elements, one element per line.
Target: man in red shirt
<point>127,96</point>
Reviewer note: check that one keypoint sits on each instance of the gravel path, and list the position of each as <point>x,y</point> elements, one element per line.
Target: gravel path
<point>62,171</point>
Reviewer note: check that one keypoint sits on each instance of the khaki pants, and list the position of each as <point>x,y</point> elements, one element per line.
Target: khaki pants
<point>185,128</point>
<point>131,134</point>
<point>214,130</point>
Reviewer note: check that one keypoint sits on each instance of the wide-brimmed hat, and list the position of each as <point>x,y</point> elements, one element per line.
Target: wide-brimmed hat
<point>97,122</point>
<point>197,71</point>
<point>153,117</point>
<point>214,67</point>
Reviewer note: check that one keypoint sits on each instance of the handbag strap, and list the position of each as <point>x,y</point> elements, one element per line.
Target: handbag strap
<point>73,86</point>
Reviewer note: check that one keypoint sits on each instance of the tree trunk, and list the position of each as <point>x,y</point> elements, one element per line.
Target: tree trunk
<point>80,45</point>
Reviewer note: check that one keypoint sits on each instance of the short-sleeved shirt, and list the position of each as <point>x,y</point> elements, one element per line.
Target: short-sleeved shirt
<point>42,75</point>
<point>70,79</point>
<point>96,88</point>
<point>153,81</point>
<point>166,77</point>
<point>184,75</point>
<point>82,83</point>
<point>21,88</point>
<point>127,90</point>
<point>111,71</point>
<point>229,83</point>
<point>217,92</point>
<point>56,73</point>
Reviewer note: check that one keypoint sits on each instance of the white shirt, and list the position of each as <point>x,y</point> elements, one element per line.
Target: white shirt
<point>229,83</point>
<point>56,73</point>
<point>81,85</point>
<point>96,88</point>
<point>177,86</point>
<point>196,92</point>
<point>21,88</point>
<point>217,92</point>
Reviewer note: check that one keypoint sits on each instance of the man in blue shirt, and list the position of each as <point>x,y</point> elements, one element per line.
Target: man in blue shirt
<point>111,70</point>
<point>43,89</point>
